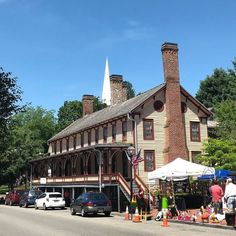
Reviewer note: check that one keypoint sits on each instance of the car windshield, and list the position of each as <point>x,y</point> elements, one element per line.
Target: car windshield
<point>55,195</point>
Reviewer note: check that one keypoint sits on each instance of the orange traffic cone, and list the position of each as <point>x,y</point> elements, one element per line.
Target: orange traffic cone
<point>127,213</point>
<point>136,216</point>
<point>165,220</point>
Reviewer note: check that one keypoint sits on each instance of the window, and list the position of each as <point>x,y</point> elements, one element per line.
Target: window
<point>113,133</point>
<point>74,142</point>
<point>105,130</point>
<point>149,160</point>
<point>89,138</point>
<point>158,106</point>
<point>67,144</point>
<point>195,131</point>
<point>55,147</point>
<point>82,140</point>
<point>148,133</point>
<point>124,131</point>
<point>60,146</point>
<point>96,135</point>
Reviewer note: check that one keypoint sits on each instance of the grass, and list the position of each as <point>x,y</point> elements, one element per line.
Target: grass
<point>4,189</point>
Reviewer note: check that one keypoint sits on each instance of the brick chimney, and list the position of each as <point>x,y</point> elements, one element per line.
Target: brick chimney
<point>175,140</point>
<point>87,104</point>
<point>124,91</point>
<point>117,89</point>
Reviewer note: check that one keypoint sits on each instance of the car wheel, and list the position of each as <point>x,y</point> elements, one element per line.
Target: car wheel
<point>25,205</point>
<point>108,213</point>
<point>35,206</point>
<point>44,207</point>
<point>83,214</point>
<point>72,211</point>
<point>20,205</point>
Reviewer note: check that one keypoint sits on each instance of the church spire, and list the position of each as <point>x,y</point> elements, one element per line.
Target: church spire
<point>106,91</point>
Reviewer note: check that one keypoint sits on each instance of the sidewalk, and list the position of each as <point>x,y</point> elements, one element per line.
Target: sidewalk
<point>221,225</point>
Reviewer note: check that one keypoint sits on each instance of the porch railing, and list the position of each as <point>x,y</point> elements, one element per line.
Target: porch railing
<point>144,187</point>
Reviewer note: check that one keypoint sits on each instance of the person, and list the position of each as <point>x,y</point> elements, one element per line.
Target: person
<point>217,194</point>
<point>230,195</point>
<point>159,201</point>
<point>141,200</point>
<point>171,203</point>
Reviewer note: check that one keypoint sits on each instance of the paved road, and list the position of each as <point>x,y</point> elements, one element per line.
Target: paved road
<point>16,221</point>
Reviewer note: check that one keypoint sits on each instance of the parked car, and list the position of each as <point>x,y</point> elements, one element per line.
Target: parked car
<point>29,197</point>
<point>50,200</point>
<point>13,197</point>
<point>91,203</point>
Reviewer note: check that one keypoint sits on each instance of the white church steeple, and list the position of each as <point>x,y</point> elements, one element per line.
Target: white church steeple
<point>106,91</point>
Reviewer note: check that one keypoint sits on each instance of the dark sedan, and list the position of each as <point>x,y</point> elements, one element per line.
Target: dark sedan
<point>91,203</point>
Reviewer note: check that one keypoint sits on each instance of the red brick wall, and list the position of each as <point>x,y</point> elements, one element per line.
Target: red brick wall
<point>175,138</point>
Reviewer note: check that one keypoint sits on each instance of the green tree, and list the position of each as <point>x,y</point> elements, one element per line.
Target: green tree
<point>30,131</point>
<point>10,95</point>
<point>69,112</point>
<point>98,104</point>
<point>218,87</point>
<point>220,154</point>
<point>225,115</point>
<point>130,90</point>
<point>73,110</point>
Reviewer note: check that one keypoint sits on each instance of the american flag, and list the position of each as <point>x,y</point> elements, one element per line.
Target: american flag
<point>137,158</point>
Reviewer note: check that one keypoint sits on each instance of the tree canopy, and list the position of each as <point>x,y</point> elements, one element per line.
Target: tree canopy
<point>218,87</point>
<point>10,95</point>
<point>29,131</point>
<point>130,90</point>
<point>73,110</point>
<point>220,154</point>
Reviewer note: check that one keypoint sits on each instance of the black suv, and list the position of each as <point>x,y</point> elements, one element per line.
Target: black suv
<point>91,203</point>
<point>29,197</point>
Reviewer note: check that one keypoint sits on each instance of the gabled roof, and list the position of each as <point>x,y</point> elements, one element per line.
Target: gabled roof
<point>119,110</point>
<point>108,113</point>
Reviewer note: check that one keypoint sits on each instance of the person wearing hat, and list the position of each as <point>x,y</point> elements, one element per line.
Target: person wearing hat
<point>230,194</point>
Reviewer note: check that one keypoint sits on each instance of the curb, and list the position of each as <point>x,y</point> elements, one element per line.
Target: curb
<point>188,223</point>
<point>204,225</point>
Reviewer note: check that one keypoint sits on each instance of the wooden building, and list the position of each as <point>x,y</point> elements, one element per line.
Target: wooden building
<point>162,123</point>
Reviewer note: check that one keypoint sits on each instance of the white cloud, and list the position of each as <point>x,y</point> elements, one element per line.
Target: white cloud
<point>133,31</point>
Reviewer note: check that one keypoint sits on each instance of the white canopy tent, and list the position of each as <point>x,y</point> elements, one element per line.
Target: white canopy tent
<point>179,169</point>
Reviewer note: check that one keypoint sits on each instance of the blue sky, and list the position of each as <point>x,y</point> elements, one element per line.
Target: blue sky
<point>57,48</point>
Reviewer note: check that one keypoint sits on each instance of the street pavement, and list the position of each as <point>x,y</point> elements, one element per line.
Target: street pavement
<point>30,222</point>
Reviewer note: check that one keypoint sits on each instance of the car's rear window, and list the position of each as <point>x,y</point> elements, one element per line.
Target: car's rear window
<point>98,197</point>
<point>35,193</point>
<point>55,195</point>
